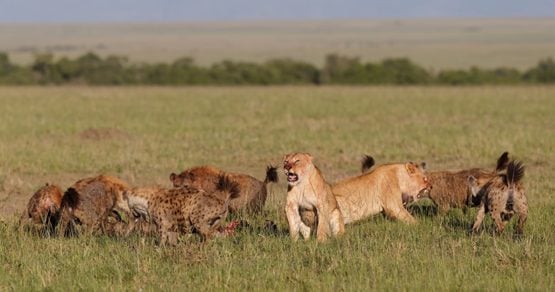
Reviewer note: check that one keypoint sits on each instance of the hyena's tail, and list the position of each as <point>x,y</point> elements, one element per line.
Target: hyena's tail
<point>366,163</point>
<point>502,162</point>
<point>515,172</point>
<point>271,175</point>
<point>228,187</point>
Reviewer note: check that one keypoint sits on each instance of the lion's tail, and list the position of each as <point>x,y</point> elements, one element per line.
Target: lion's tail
<point>367,163</point>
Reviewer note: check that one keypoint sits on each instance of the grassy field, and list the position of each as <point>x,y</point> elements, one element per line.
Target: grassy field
<point>433,43</point>
<point>50,134</point>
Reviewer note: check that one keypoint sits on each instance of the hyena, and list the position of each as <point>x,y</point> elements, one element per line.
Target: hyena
<point>184,209</point>
<point>502,197</point>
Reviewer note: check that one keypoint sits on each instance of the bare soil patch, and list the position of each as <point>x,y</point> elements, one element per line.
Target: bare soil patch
<point>100,134</point>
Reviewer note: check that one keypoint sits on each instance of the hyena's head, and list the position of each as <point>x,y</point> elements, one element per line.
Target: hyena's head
<point>186,178</point>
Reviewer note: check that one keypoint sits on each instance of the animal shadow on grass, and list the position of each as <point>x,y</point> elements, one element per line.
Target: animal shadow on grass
<point>258,225</point>
<point>421,210</point>
<point>454,221</point>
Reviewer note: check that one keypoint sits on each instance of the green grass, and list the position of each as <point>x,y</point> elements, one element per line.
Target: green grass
<point>149,132</point>
<point>432,43</point>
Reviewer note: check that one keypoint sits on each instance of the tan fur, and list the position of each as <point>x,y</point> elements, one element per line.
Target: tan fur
<point>502,197</point>
<point>381,190</point>
<point>253,192</point>
<point>91,201</point>
<point>183,210</point>
<point>43,209</point>
<point>309,191</point>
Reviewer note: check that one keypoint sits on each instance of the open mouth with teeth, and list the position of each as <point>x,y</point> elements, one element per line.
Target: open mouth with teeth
<point>292,177</point>
<point>424,193</point>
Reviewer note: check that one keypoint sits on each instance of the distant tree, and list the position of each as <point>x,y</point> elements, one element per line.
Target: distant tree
<point>5,66</point>
<point>46,70</point>
<point>403,71</point>
<point>287,71</point>
<point>544,72</point>
<point>184,71</point>
<point>343,70</point>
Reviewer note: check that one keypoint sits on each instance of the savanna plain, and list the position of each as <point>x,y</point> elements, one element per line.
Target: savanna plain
<point>142,134</point>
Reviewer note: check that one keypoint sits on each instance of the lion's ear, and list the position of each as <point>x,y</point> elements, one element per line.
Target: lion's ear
<point>423,165</point>
<point>310,157</point>
<point>411,168</point>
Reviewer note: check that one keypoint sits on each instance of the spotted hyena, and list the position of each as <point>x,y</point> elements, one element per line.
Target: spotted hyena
<point>43,209</point>
<point>252,196</point>
<point>91,202</point>
<point>502,197</point>
<point>184,209</point>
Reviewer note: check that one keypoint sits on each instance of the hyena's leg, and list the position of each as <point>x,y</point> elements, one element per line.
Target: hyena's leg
<point>479,218</point>
<point>295,223</point>
<point>336,222</point>
<point>164,234</point>
<point>521,208</point>
<point>500,224</point>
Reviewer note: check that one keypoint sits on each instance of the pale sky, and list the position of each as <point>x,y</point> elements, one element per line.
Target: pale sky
<point>187,10</point>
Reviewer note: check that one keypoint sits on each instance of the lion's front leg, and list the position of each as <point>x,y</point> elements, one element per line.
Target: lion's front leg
<point>399,213</point>
<point>323,229</point>
<point>295,223</point>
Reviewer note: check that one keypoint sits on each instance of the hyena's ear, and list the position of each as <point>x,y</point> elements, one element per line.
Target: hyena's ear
<point>173,177</point>
<point>125,195</point>
<point>473,185</point>
<point>423,165</point>
<point>472,181</point>
<point>411,167</point>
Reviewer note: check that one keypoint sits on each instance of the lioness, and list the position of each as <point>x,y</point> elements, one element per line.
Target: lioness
<point>90,202</point>
<point>385,189</point>
<point>307,190</point>
<point>502,196</point>
<point>183,210</point>
<point>253,192</point>
<point>449,188</point>
<point>43,209</point>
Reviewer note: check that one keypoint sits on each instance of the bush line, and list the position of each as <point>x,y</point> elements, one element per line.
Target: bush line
<point>92,69</point>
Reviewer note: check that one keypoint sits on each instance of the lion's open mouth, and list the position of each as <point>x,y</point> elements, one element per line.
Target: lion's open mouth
<point>292,177</point>
<point>424,193</point>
